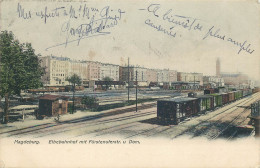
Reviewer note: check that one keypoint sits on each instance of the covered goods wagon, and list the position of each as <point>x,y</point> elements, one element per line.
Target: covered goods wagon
<point>172,111</point>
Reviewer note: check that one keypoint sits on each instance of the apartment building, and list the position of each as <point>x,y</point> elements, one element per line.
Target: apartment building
<point>151,75</point>
<point>190,77</point>
<point>79,68</point>
<point>213,81</point>
<point>141,74</point>
<point>172,76</point>
<point>94,70</point>
<point>56,69</point>
<point>235,78</point>
<point>109,70</point>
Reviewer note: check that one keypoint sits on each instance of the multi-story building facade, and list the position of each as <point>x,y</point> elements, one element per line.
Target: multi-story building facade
<point>159,76</point>
<point>151,75</point>
<point>172,76</point>
<point>141,74</point>
<point>79,68</point>
<point>190,77</point>
<point>93,70</point>
<point>56,69</point>
<point>162,75</point>
<point>235,78</point>
<point>109,70</point>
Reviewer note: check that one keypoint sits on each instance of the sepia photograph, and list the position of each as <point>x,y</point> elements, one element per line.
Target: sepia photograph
<point>115,83</point>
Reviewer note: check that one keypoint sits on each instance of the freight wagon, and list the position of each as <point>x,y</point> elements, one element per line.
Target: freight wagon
<point>206,103</point>
<point>224,98</point>
<point>217,100</point>
<point>172,111</point>
<point>231,97</point>
<point>238,94</point>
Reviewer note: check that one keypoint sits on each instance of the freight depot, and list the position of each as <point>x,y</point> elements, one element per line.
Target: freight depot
<point>26,142</point>
<point>104,142</point>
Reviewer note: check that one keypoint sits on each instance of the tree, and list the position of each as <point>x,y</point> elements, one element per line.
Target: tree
<point>74,80</point>
<point>90,102</point>
<point>107,81</point>
<point>19,68</point>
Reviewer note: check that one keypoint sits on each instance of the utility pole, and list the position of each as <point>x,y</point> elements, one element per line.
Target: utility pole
<point>73,98</point>
<point>128,80</point>
<point>136,91</point>
<point>194,83</point>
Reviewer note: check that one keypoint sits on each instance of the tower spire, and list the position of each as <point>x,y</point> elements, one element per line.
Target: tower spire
<point>218,67</point>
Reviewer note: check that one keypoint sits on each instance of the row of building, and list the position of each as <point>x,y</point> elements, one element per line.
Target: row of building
<point>59,68</point>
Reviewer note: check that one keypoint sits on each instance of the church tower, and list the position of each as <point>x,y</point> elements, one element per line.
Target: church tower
<point>218,68</point>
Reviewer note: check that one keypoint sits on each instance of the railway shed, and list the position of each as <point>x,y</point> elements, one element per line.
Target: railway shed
<point>52,105</point>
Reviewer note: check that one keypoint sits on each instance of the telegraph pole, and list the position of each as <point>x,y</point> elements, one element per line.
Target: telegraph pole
<point>128,80</point>
<point>194,83</point>
<point>136,91</point>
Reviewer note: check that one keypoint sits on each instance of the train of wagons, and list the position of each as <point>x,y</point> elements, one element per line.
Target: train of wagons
<point>174,110</point>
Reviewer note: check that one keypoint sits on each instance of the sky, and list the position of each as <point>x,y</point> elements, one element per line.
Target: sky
<point>143,31</point>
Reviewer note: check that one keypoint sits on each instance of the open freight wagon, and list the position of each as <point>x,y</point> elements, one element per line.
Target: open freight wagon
<point>172,111</point>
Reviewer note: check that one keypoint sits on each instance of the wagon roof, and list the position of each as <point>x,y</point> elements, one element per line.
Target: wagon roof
<point>204,96</point>
<point>180,99</point>
<point>215,94</point>
<point>53,97</point>
<point>223,93</point>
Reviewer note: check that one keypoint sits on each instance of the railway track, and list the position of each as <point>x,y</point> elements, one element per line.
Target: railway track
<point>194,128</point>
<point>153,131</point>
<point>230,124</point>
<point>124,121</point>
<point>79,123</point>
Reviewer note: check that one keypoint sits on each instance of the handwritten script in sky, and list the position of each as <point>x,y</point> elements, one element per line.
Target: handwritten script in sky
<point>93,21</point>
<point>99,21</point>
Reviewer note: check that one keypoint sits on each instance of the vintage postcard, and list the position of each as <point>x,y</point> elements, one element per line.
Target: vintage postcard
<point>115,83</point>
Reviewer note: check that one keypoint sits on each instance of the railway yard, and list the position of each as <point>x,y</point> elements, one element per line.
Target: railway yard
<point>223,122</point>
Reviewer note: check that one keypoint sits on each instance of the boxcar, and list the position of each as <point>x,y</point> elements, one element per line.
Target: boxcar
<point>217,99</point>
<point>172,111</point>
<point>238,94</point>
<point>224,98</point>
<point>231,96</point>
<point>206,103</point>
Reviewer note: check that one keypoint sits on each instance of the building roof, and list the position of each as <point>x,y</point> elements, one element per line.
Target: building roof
<point>53,97</point>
